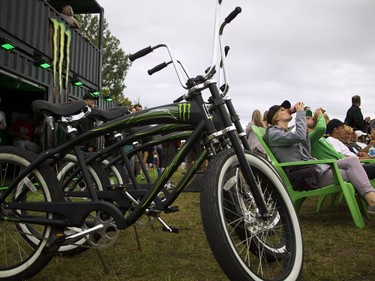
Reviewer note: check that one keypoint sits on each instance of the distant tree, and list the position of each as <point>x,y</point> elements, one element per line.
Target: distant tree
<point>115,61</point>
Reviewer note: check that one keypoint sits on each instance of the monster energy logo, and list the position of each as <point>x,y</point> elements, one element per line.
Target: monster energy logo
<point>62,38</point>
<point>184,111</point>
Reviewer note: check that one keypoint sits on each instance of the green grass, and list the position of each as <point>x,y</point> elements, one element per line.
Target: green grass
<point>334,250</point>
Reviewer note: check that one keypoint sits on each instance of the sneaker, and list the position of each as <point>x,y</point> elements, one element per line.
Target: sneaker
<point>371,210</point>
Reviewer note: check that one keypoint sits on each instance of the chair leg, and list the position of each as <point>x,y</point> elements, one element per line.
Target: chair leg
<point>349,195</point>
<point>320,202</point>
<point>298,204</point>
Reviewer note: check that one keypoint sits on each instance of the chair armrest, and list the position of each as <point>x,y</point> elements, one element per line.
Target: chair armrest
<point>367,161</point>
<point>330,162</point>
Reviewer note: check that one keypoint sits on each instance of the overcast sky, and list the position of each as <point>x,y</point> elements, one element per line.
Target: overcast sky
<point>321,52</point>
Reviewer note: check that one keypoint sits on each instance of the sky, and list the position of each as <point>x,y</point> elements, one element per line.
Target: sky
<point>320,52</point>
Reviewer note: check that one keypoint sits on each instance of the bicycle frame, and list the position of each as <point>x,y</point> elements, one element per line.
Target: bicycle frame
<point>192,112</point>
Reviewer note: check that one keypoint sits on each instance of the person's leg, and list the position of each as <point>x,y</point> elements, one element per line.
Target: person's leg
<point>352,170</point>
<point>356,174</point>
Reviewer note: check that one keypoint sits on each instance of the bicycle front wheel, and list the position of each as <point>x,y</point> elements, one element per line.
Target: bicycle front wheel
<point>23,247</point>
<point>246,246</point>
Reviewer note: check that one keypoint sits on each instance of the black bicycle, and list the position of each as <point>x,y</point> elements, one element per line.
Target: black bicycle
<point>248,217</point>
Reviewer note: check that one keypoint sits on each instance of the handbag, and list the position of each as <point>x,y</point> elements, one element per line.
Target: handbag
<point>304,177</point>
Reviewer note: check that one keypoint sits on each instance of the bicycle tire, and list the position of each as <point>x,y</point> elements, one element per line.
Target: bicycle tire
<point>115,173</point>
<point>245,246</point>
<point>100,182</point>
<point>23,248</point>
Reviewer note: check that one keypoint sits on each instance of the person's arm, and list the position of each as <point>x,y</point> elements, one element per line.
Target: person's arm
<point>319,129</point>
<point>75,24</point>
<point>277,136</point>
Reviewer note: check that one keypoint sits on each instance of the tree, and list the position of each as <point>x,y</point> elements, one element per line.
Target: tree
<point>115,61</point>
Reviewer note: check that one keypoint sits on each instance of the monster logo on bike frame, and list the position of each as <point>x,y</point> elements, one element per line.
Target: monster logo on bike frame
<point>184,111</point>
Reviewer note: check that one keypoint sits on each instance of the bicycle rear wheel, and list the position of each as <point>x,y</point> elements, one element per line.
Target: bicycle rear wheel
<point>115,173</point>
<point>246,246</point>
<point>23,248</point>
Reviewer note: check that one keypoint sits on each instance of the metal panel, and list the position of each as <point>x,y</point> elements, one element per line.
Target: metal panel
<point>27,23</point>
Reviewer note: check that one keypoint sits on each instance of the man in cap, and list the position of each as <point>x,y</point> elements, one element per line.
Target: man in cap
<point>321,148</point>
<point>289,146</point>
<point>89,99</point>
<point>336,131</point>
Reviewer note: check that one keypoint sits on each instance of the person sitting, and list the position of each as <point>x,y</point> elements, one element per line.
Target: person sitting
<point>361,139</point>
<point>347,139</point>
<point>255,146</point>
<point>288,146</point>
<point>321,148</point>
<point>336,132</point>
<point>68,15</point>
<point>353,142</point>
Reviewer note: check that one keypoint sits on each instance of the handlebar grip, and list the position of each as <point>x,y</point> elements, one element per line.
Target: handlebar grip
<point>157,68</point>
<point>140,53</point>
<point>226,50</point>
<point>179,99</point>
<point>233,14</point>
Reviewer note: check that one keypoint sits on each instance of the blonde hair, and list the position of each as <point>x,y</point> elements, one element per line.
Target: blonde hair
<point>67,10</point>
<point>348,129</point>
<point>264,120</point>
<point>256,118</point>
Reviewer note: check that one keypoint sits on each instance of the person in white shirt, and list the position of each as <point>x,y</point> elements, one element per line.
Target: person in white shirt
<point>336,131</point>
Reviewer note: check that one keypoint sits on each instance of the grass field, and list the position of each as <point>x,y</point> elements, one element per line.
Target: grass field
<point>334,250</point>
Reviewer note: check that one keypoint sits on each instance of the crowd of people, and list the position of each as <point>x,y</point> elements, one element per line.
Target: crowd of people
<point>315,136</point>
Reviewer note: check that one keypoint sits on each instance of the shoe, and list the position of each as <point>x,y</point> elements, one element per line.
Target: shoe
<point>371,210</point>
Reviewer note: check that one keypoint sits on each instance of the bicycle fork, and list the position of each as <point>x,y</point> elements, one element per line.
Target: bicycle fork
<point>221,108</point>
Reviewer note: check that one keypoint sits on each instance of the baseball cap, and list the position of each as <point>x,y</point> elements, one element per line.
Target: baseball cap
<point>275,108</point>
<point>334,123</point>
<point>88,96</point>
<point>360,133</point>
<point>309,113</point>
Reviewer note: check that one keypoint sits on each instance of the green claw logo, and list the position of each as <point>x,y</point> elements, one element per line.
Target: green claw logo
<point>184,111</point>
<point>62,38</point>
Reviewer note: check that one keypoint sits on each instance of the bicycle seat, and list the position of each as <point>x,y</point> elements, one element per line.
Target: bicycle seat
<point>109,114</point>
<point>60,109</point>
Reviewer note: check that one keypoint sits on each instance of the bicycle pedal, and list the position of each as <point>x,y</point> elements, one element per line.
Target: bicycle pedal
<point>54,242</point>
<point>172,209</point>
<point>171,229</point>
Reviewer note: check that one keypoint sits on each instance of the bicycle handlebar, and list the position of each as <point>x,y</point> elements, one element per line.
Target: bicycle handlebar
<point>141,53</point>
<point>217,46</point>
<point>229,18</point>
<point>158,67</point>
<point>179,99</point>
<point>233,14</point>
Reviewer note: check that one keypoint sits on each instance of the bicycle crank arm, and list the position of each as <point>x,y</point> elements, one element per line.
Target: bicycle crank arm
<point>79,235</point>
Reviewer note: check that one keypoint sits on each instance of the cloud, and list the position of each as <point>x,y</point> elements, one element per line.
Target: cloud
<point>317,51</point>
